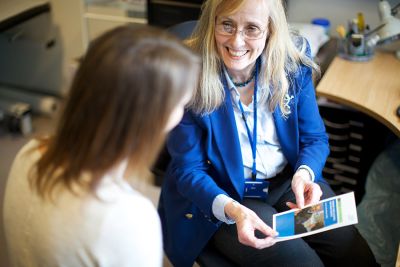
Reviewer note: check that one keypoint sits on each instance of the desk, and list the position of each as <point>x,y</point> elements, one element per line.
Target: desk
<point>17,11</point>
<point>372,87</point>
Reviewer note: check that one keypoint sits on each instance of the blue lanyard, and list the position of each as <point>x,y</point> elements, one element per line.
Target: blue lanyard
<point>252,140</point>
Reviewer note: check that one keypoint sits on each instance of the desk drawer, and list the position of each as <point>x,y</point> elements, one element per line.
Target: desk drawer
<point>353,147</point>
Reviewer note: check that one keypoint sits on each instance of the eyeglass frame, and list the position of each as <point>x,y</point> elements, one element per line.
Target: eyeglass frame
<point>235,31</point>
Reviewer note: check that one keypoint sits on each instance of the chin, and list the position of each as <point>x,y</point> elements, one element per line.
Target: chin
<point>236,66</point>
<point>239,64</point>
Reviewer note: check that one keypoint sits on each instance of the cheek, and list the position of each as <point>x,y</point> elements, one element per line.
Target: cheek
<point>219,43</point>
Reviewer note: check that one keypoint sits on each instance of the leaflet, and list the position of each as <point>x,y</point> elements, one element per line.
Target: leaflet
<point>328,214</point>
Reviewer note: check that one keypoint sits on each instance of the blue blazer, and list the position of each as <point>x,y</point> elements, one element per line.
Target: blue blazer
<point>207,161</point>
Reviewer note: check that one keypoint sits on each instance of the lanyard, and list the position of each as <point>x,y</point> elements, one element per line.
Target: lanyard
<point>252,140</point>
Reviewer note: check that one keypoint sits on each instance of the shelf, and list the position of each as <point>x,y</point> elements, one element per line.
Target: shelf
<point>132,11</point>
<point>101,15</point>
<point>113,18</point>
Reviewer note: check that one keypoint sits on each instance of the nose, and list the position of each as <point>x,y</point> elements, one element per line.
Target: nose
<point>238,38</point>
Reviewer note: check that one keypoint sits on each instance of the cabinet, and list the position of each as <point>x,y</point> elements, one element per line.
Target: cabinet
<point>101,15</point>
<point>355,140</point>
<point>361,128</point>
<point>166,13</point>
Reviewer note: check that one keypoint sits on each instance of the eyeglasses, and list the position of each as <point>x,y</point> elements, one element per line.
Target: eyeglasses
<point>249,33</point>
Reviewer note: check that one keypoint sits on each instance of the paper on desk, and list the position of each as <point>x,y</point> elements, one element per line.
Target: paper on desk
<point>315,35</point>
<point>328,214</point>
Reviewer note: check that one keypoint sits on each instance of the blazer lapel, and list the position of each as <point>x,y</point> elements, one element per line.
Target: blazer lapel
<point>284,127</point>
<point>225,133</point>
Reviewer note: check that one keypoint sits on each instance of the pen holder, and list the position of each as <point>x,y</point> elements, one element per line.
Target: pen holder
<point>355,47</point>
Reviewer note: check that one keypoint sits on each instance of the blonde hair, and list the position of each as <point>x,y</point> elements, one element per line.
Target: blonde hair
<point>284,52</point>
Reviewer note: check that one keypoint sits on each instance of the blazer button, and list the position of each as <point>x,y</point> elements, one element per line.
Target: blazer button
<point>208,162</point>
<point>189,216</point>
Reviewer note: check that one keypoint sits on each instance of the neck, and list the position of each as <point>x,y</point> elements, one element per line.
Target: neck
<point>119,170</point>
<point>243,77</point>
<point>246,93</point>
<point>246,82</point>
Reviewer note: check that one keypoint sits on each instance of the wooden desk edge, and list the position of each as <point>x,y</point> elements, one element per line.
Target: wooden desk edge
<point>391,120</point>
<point>363,109</point>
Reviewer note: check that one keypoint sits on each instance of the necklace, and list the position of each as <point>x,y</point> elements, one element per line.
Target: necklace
<point>242,84</point>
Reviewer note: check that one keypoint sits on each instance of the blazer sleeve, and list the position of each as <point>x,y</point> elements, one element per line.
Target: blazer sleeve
<point>189,167</point>
<point>313,140</point>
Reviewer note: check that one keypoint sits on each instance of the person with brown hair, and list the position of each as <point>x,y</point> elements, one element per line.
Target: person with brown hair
<point>69,199</point>
<point>251,144</point>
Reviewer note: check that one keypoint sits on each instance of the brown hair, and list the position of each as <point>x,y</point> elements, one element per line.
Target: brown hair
<point>121,98</point>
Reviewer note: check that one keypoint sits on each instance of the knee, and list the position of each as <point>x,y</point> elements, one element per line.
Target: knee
<point>289,253</point>
<point>348,248</point>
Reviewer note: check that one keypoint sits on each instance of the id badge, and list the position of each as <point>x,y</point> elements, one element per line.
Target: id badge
<point>257,188</point>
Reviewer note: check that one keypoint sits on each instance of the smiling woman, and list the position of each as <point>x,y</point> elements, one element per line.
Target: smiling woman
<point>251,144</point>
<point>240,38</point>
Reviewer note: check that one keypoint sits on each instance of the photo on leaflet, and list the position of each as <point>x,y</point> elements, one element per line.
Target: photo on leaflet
<point>309,219</point>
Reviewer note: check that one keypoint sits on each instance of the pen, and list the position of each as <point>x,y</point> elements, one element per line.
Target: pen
<point>341,31</point>
<point>360,22</point>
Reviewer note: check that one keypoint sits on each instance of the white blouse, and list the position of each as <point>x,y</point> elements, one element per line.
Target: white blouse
<point>119,227</point>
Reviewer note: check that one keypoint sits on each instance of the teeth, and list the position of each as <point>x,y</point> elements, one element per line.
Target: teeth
<point>237,53</point>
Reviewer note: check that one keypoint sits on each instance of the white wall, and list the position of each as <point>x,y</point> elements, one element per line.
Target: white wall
<point>67,16</point>
<point>337,11</point>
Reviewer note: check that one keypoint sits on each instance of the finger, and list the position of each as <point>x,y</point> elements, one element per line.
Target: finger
<point>298,190</point>
<point>249,239</point>
<point>300,199</point>
<point>265,242</point>
<point>291,205</point>
<point>246,237</point>
<point>265,229</point>
<point>318,192</point>
<point>309,195</point>
<point>313,195</point>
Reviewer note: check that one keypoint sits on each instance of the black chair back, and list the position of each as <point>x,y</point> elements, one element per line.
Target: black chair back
<point>183,30</point>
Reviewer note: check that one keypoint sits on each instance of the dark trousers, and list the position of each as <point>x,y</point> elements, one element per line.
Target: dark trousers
<point>339,247</point>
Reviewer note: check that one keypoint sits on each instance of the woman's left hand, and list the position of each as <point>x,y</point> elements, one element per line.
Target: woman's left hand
<point>306,191</point>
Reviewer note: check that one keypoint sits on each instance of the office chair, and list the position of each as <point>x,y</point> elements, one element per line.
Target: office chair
<point>183,30</point>
<point>209,257</point>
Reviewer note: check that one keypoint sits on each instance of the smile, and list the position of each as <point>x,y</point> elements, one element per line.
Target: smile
<point>236,53</point>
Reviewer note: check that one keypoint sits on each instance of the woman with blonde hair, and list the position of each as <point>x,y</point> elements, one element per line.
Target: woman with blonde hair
<point>252,144</point>
<point>69,199</point>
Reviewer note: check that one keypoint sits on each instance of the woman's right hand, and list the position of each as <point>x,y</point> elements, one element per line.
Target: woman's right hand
<point>247,222</point>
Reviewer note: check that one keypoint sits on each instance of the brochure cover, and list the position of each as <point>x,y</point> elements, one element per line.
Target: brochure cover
<point>328,214</point>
